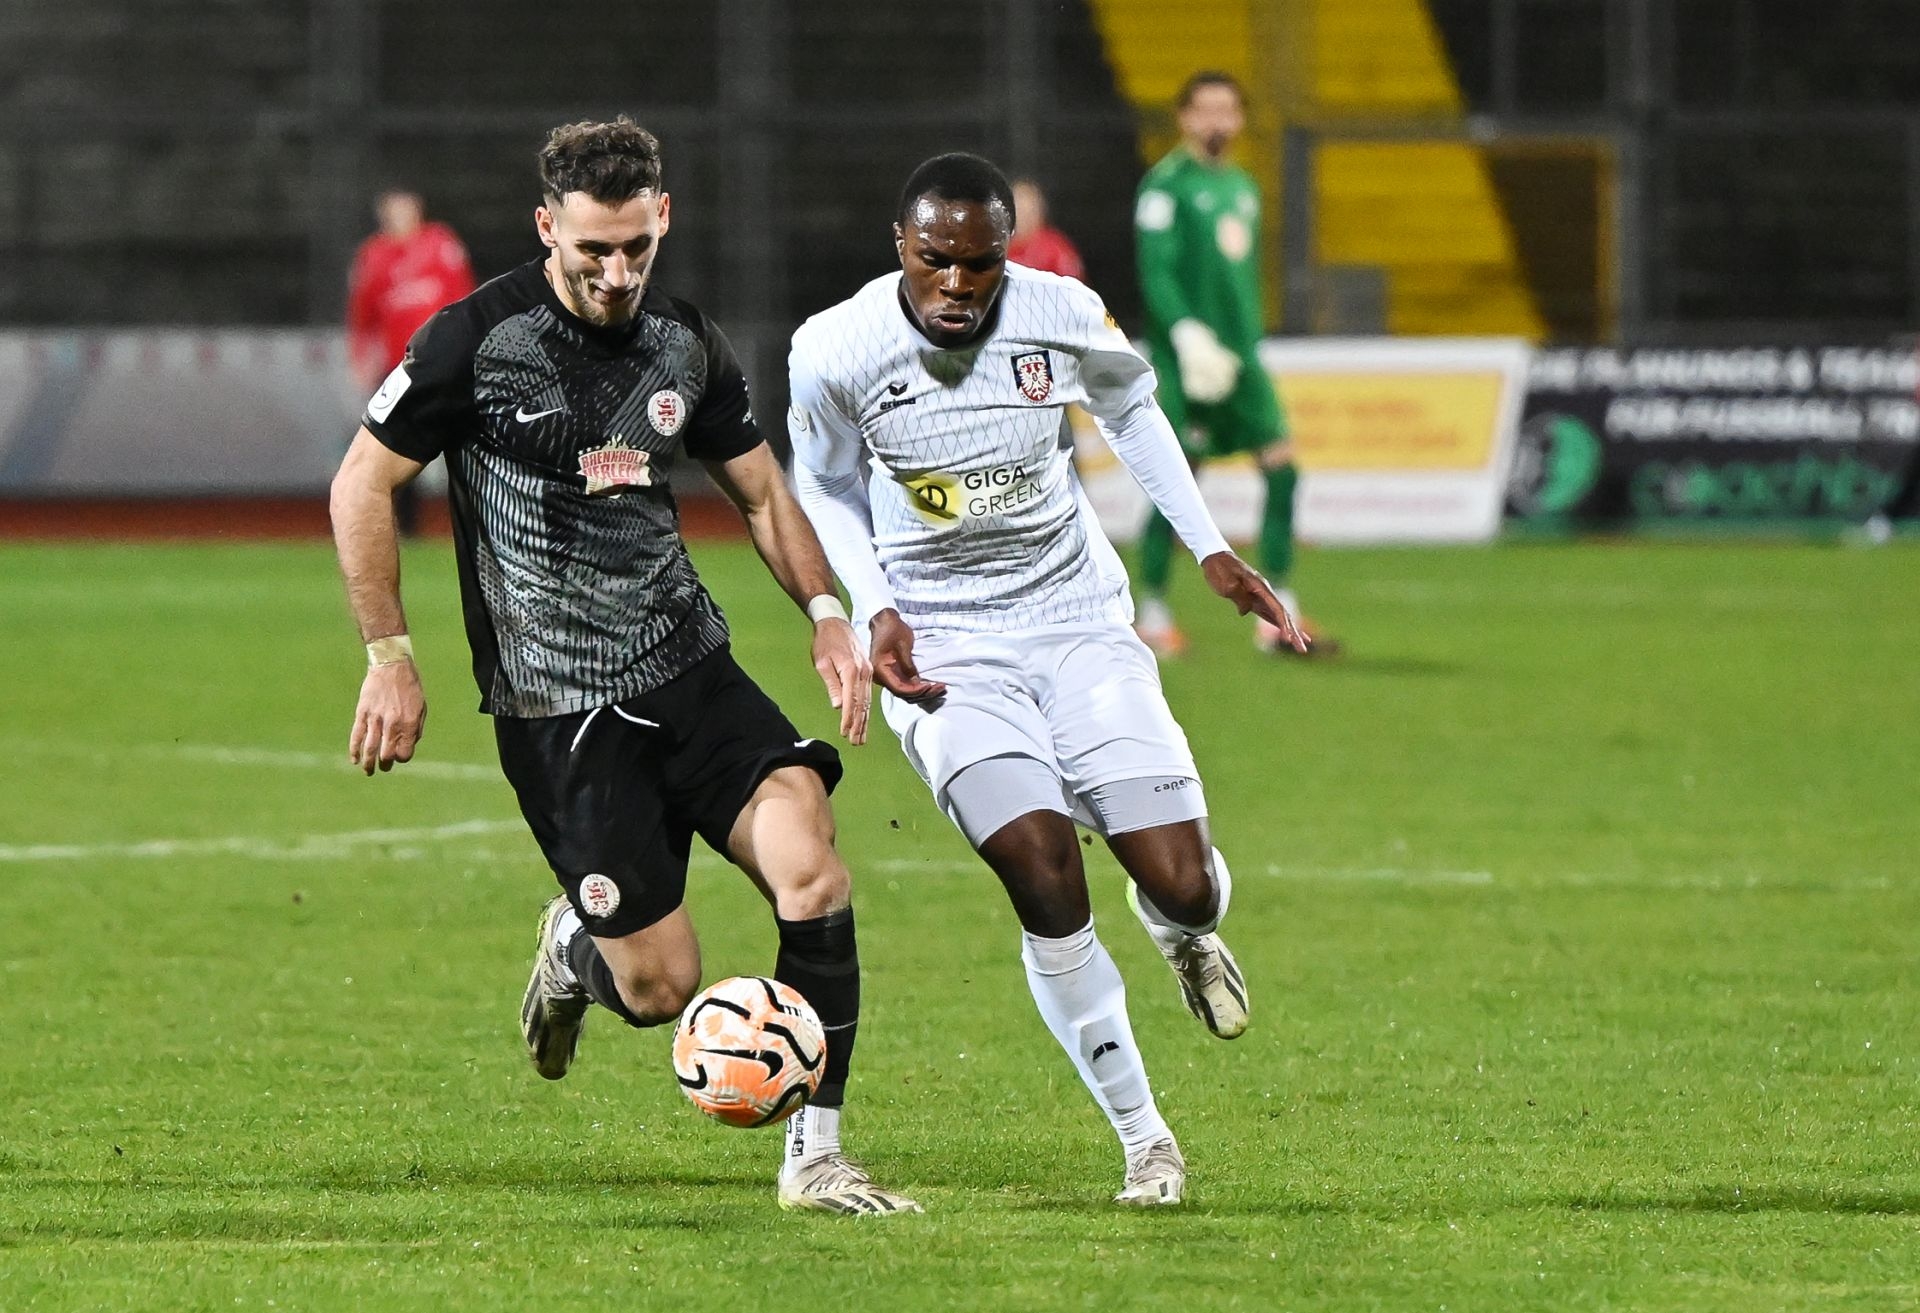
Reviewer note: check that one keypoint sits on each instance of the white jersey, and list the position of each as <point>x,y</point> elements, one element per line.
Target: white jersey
<point>971,509</point>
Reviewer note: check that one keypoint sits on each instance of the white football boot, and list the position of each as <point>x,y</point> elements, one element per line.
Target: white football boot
<point>1156,1176</point>
<point>834,1183</point>
<point>552,1012</point>
<point>1210,980</point>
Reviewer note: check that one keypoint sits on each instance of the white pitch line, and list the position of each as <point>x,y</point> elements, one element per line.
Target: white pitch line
<point>304,847</point>
<point>217,754</point>
<point>1380,875</point>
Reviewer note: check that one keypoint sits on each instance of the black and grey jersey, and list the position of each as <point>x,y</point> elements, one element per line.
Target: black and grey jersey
<point>576,584</point>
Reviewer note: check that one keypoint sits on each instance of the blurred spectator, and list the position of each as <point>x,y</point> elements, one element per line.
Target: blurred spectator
<point>401,275</point>
<point>1036,243</point>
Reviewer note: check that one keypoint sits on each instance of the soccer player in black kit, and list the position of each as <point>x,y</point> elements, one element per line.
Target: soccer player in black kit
<point>557,394</point>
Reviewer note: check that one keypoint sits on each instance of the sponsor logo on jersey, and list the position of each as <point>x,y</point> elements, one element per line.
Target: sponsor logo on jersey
<point>1033,374</point>
<point>615,466</point>
<point>389,395</point>
<point>599,896</point>
<point>667,411</point>
<point>935,497</point>
<point>946,499</point>
<point>896,398</point>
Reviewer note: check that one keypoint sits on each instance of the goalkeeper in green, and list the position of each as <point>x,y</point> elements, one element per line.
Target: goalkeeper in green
<point>1197,222</point>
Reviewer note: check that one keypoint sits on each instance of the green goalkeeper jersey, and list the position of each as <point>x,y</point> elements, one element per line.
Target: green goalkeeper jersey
<point>1198,231</point>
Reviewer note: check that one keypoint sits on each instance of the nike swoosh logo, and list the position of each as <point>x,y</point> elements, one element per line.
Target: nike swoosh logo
<point>525,418</point>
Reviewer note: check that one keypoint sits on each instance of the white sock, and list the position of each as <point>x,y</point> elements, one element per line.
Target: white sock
<point>1167,932</point>
<point>813,1132</point>
<point>564,929</point>
<point>1084,1003</point>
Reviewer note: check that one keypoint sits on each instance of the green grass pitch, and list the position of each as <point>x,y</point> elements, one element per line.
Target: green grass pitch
<point>1580,907</point>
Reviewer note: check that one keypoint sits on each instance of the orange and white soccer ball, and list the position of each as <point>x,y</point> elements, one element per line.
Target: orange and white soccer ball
<point>749,1051</point>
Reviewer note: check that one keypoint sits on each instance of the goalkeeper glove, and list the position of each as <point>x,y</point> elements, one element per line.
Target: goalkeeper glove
<point>1208,370</point>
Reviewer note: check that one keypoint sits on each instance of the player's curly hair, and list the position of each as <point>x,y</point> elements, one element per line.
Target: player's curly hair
<point>611,162</point>
<point>1209,77</point>
<point>957,176</point>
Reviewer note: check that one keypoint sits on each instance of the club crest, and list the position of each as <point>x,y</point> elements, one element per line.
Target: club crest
<point>615,466</point>
<point>1033,373</point>
<point>667,411</point>
<point>599,896</point>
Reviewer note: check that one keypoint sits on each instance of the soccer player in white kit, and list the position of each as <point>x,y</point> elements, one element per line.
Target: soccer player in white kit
<point>925,422</point>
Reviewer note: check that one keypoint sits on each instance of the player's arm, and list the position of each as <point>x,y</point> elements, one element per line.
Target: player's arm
<point>393,707</point>
<point>1208,369</point>
<point>787,543</point>
<point>827,474</point>
<point>1156,234</point>
<point>1119,388</point>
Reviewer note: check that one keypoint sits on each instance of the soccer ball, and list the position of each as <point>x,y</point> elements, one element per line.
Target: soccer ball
<point>749,1051</point>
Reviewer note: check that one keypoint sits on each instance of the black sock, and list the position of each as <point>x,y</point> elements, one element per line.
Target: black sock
<point>819,958</point>
<point>596,977</point>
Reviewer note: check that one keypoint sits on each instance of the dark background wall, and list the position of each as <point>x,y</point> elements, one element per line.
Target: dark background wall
<point>211,161</point>
<point>1770,149</point>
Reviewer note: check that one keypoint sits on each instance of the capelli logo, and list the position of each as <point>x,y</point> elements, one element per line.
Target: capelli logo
<point>1171,786</point>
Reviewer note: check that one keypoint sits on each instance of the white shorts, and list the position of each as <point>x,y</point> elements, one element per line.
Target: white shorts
<point>1083,699</point>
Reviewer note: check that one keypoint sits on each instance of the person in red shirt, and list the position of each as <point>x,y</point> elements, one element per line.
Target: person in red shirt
<point>401,275</point>
<point>1035,243</point>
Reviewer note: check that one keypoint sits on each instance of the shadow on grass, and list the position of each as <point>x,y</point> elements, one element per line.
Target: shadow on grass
<point>228,1225</point>
<point>1411,666</point>
<point>1751,1200</point>
<point>1743,1199</point>
<point>532,1177</point>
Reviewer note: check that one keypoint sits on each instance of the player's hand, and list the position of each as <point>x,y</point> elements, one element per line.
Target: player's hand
<point>893,667</point>
<point>1242,585</point>
<point>1208,371</point>
<point>845,671</point>
<point>392,712</point>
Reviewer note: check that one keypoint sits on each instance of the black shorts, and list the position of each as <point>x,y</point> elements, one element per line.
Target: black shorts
<point>615,795</point>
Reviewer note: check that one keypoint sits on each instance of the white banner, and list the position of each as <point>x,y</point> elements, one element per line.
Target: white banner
<point>169,412</point>
<point>1397,440</point>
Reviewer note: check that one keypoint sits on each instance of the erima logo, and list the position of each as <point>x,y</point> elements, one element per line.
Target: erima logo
<point>525,418</point>
<point>1102,1051</point>
<point>895,389</point>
